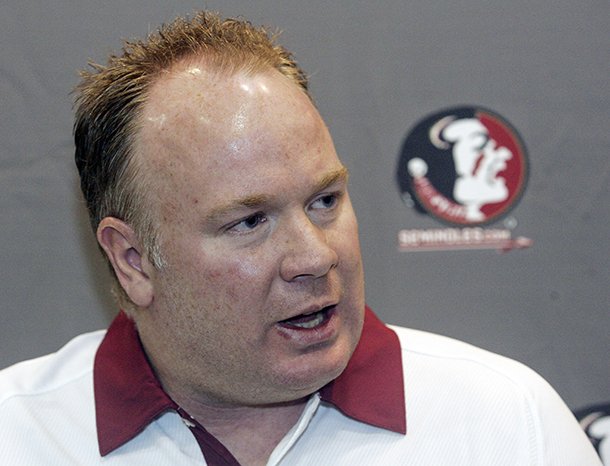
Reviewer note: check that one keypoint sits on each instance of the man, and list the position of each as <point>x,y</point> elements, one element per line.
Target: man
<point>222,208</point>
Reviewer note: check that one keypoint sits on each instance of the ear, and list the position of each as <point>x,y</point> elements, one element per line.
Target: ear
<point>121,245</point>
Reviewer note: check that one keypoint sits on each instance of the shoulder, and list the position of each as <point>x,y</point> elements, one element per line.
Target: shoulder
<point>47,413</point>
<point>446,350</point>
<point>51,372</point>
<point>448,381</point>
<point>471,370</point>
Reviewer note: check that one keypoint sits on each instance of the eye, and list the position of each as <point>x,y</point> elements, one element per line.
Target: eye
<point>481,140</point>
<point>327,201</point>
<point>249,223</point>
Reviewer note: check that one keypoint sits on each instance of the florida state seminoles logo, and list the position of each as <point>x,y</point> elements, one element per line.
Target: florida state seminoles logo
<point>595,420</point>
<point>463,166</point>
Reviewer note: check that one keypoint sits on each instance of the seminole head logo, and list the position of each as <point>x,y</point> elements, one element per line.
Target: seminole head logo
<point>464,166</point>
<point>595,420</point>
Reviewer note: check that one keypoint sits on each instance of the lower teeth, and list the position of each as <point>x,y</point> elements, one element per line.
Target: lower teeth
<point>310,323</point>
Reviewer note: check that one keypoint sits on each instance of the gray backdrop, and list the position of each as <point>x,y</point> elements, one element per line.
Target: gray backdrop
<point>376,69</point>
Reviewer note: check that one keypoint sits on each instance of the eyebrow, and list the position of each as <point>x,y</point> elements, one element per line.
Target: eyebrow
<point>256,200</point>
<point>336,176</point>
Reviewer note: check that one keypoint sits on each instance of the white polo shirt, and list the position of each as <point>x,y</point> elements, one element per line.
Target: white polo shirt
<point>97,401</point>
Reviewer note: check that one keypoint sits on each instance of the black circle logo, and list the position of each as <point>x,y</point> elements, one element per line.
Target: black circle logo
<point>463,166</point>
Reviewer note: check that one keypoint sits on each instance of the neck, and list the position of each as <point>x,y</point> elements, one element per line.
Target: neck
<point>250,433</point>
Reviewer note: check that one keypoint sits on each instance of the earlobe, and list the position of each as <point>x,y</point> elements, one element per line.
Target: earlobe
<point>121,245</point>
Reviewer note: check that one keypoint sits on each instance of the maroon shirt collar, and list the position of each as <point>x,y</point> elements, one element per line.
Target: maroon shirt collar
<point>371,388</point>
<point>128,396</point>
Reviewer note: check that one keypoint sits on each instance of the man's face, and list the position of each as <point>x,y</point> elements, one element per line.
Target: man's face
<point>478,161</point>
<point>261,299</point>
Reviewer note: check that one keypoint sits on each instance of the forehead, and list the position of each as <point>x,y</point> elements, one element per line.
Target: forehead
<point>194,102</point>
<point>230,129</point>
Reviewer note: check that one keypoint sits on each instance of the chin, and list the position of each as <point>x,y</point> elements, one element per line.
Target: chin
<point>310,376</point>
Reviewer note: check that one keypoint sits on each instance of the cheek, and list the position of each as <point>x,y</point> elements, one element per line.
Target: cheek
<point>347,238</point>
<point>348,248</point>
<point>232,278</point>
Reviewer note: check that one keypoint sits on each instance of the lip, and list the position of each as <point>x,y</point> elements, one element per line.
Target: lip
<point>324,331</point>
<point>495,168</point>
<point>313,309</point>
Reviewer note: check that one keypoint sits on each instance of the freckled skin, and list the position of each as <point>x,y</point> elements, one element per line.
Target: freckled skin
<point>212,330</point>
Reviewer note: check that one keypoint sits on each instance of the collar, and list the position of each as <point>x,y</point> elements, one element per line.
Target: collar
<point>128,396</point>
<point>371,388</point>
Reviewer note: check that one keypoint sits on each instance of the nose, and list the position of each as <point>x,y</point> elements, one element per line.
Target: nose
<point>307,252</point>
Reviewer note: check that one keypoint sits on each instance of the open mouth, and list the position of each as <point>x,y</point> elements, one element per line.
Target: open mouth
<point>494,169</point>
<point>309,321</point>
